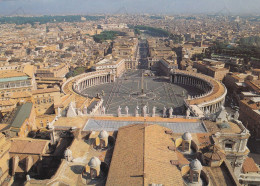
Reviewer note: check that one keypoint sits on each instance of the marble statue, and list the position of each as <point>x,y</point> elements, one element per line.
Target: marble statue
<point>28,178</point>
<point>53,137</point>
<point>188,112</point>
<point>80,113</point>
<point>236,115</point>
<point>55,119</point>
<point>207,113</point>
<point>50,125</point>
<point>103,110</point>
<point>85,110</point>
<point>170,112</point>
<point>68,155</point>
<point>164,112</point>
<point>154,110</point>
<point>59,112</point>
<point>126,110</point>
<point>145,111</point>
<point>119,111</point>
<point>136,111</point>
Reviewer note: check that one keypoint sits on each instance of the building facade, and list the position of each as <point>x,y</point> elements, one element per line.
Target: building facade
<point>14,81</point>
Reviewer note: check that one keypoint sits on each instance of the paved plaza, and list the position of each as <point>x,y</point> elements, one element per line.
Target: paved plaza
<point>127,91</point>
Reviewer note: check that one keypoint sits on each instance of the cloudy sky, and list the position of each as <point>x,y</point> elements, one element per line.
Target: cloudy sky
<point>8,7</point>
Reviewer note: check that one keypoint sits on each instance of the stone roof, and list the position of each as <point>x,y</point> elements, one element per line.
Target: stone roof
<point>213,128</point>
<point>141,157</point>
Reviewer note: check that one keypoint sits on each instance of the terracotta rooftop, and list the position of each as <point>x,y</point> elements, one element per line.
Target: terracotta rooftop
<point>254,84</point>
<point>214,153</point>
<point>203,139</point>
<point>249,165</point>
<point>23,94</point>
<point>140,158</point>
<point>28,146</point>
<point>7,102</point>
<point>39,120</point>
<point>47,90</point>
<point>4,126</point>
<point>219,176</point>
<point>250,104</point>
<point>71,121</point>
<point>256,69</point>
<point>11,73</point>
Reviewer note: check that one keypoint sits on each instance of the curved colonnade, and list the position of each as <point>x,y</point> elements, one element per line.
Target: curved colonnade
<point>75,85</point>
<point>214,94</point>
<point>78,83</point>
<point>92,79</point>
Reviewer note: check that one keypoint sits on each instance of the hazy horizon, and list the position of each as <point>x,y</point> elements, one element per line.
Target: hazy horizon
<point>44,7</point>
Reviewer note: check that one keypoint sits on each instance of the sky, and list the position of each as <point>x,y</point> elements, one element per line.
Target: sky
<point>46,7</point>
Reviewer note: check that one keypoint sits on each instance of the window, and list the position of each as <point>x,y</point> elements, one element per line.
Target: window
<point>195,177</point>
<point>186,146</point>
<point>228,146</point>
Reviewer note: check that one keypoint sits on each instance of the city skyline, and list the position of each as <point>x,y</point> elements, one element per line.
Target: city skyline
<point>40,7</point>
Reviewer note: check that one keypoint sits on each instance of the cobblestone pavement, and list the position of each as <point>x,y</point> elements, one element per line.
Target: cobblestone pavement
<point>126,91</point>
